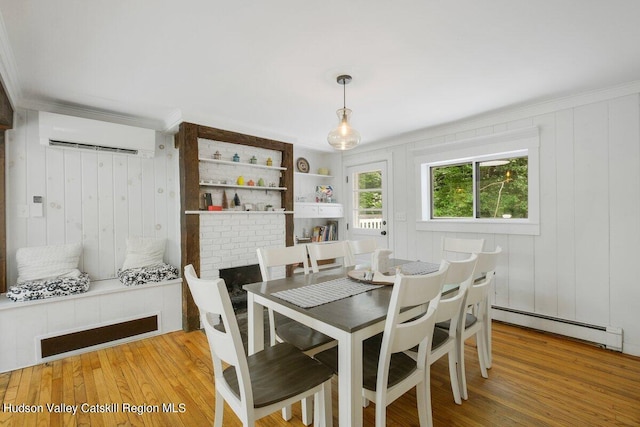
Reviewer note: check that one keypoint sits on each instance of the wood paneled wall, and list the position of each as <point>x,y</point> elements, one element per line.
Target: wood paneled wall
<point>97,199</point>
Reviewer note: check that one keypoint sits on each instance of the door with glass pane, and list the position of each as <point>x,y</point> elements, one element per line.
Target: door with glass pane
<point>367,203</point>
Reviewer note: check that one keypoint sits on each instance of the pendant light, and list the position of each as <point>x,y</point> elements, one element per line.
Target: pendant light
<point>343,137</point>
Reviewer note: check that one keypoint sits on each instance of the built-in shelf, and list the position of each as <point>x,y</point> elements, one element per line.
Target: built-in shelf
<point>313,175</point>
<point>245,187</point>
<point>237,212</point>
<point>251,165</point>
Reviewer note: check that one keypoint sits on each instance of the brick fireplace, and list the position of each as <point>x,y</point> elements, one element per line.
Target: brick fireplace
<point>228,241</point>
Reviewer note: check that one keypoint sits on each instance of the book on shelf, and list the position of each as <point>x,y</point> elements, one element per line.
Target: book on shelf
<point>325,233</point>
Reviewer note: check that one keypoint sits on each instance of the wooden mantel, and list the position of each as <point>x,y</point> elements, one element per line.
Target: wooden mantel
<point>186,141</point>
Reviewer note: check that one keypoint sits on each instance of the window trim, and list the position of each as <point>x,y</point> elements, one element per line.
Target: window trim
<point>505,144</point>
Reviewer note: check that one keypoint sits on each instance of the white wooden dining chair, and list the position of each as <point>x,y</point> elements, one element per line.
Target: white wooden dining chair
<point>471,321</point>
<point>260,384</point>
<point>360,248</point>
<point>283,329</point>
<point>444,340</point>
<point>456,248</point>
<point>329,250</point>
<point>486,267</point>
<point>388,372</point>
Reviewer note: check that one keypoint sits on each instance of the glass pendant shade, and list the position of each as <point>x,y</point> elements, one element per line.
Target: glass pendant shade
<point>343,137</point>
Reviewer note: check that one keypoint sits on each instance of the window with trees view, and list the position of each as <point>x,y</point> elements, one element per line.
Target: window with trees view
<point>367,197</point>
<point>480,188</point>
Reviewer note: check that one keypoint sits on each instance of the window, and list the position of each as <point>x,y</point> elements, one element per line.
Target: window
<point>367,198</point>
<point>488,184</point>
<point>495,188</point>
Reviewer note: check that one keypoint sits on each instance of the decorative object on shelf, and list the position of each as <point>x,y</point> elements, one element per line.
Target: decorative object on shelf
<point>248,206</point>
<point>225,202</point>
<point>250,183</point>
<point>268,208</point>
<point>217,155</point>
<point>240,180</point>
<point>302,164</point>
<point>236,158</point>
<point>253,160</point>
<point>343,137</point>
<point>272,184</point>
<point>269,161</point>
<point>207,200</point>
<point>324,193</point>
<point>236,200</point>
<point>323,171</point>
<point>261,182</point>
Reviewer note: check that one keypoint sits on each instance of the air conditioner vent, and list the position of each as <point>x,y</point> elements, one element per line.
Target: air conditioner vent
<point>64,144</point>
<point>67,132</point>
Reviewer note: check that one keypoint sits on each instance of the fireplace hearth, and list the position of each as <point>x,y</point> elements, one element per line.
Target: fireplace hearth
<point>234,278</point>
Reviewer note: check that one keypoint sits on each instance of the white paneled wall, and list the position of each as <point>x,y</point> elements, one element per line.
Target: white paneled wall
<point>583,265</point>
<point>98,199</point>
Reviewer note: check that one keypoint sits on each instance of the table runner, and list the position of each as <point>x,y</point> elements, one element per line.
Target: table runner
<point>419,267</point>
<point>323,293</point>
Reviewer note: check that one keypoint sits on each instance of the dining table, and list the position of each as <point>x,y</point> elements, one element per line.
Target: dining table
<point>349,320</point>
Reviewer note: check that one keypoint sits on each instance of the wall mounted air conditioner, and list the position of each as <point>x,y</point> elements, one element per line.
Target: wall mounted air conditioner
<point>57,130</point>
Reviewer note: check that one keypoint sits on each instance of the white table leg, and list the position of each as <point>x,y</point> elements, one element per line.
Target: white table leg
<point>350,381</point>
<point>255,325</point>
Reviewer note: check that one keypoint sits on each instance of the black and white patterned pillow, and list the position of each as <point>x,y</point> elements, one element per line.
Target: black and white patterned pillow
<point>48,288</point>
<point>142,275</point>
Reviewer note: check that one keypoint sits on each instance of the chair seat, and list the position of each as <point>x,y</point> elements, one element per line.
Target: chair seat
<point>440,336</point>
<point>401,365</point>
<point>278,373</point>
<point>469,321</point>
<point>301,336</point>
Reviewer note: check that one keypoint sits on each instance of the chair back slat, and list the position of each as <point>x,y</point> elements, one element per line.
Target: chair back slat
<point>324,251</point>
<point>280,256</point>
<point>364,246</point>
<point>487,262</point>
<point>461,272</point>
<point>453,245</point>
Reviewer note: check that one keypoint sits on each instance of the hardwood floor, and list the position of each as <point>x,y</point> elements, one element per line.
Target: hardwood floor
<point>536,380</point>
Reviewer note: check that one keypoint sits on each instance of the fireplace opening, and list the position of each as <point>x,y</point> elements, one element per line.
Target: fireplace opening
<point>234,278</point>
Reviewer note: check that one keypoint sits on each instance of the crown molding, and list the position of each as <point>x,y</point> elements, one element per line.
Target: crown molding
<point>172,122</point>
<point>8,69</point>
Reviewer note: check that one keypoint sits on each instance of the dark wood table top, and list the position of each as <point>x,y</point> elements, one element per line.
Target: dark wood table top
<point>349,314</point>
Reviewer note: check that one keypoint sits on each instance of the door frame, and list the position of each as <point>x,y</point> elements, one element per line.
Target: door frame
<point>363,160</point>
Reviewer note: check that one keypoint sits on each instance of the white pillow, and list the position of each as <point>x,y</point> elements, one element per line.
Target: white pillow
<point>143,252</point>
<point>47,262</point>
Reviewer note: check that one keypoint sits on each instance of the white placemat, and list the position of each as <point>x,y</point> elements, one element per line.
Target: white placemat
<point>419,267</point>
<point>323,293</point>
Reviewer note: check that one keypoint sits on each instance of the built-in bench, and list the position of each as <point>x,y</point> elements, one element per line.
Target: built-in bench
<point>109,313</point>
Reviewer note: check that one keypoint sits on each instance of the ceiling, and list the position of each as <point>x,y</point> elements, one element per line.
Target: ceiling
<point>269,68</point>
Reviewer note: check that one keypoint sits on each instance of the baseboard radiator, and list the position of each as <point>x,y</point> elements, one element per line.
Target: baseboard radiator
<point>608,337</point>
<point>78,340</point>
